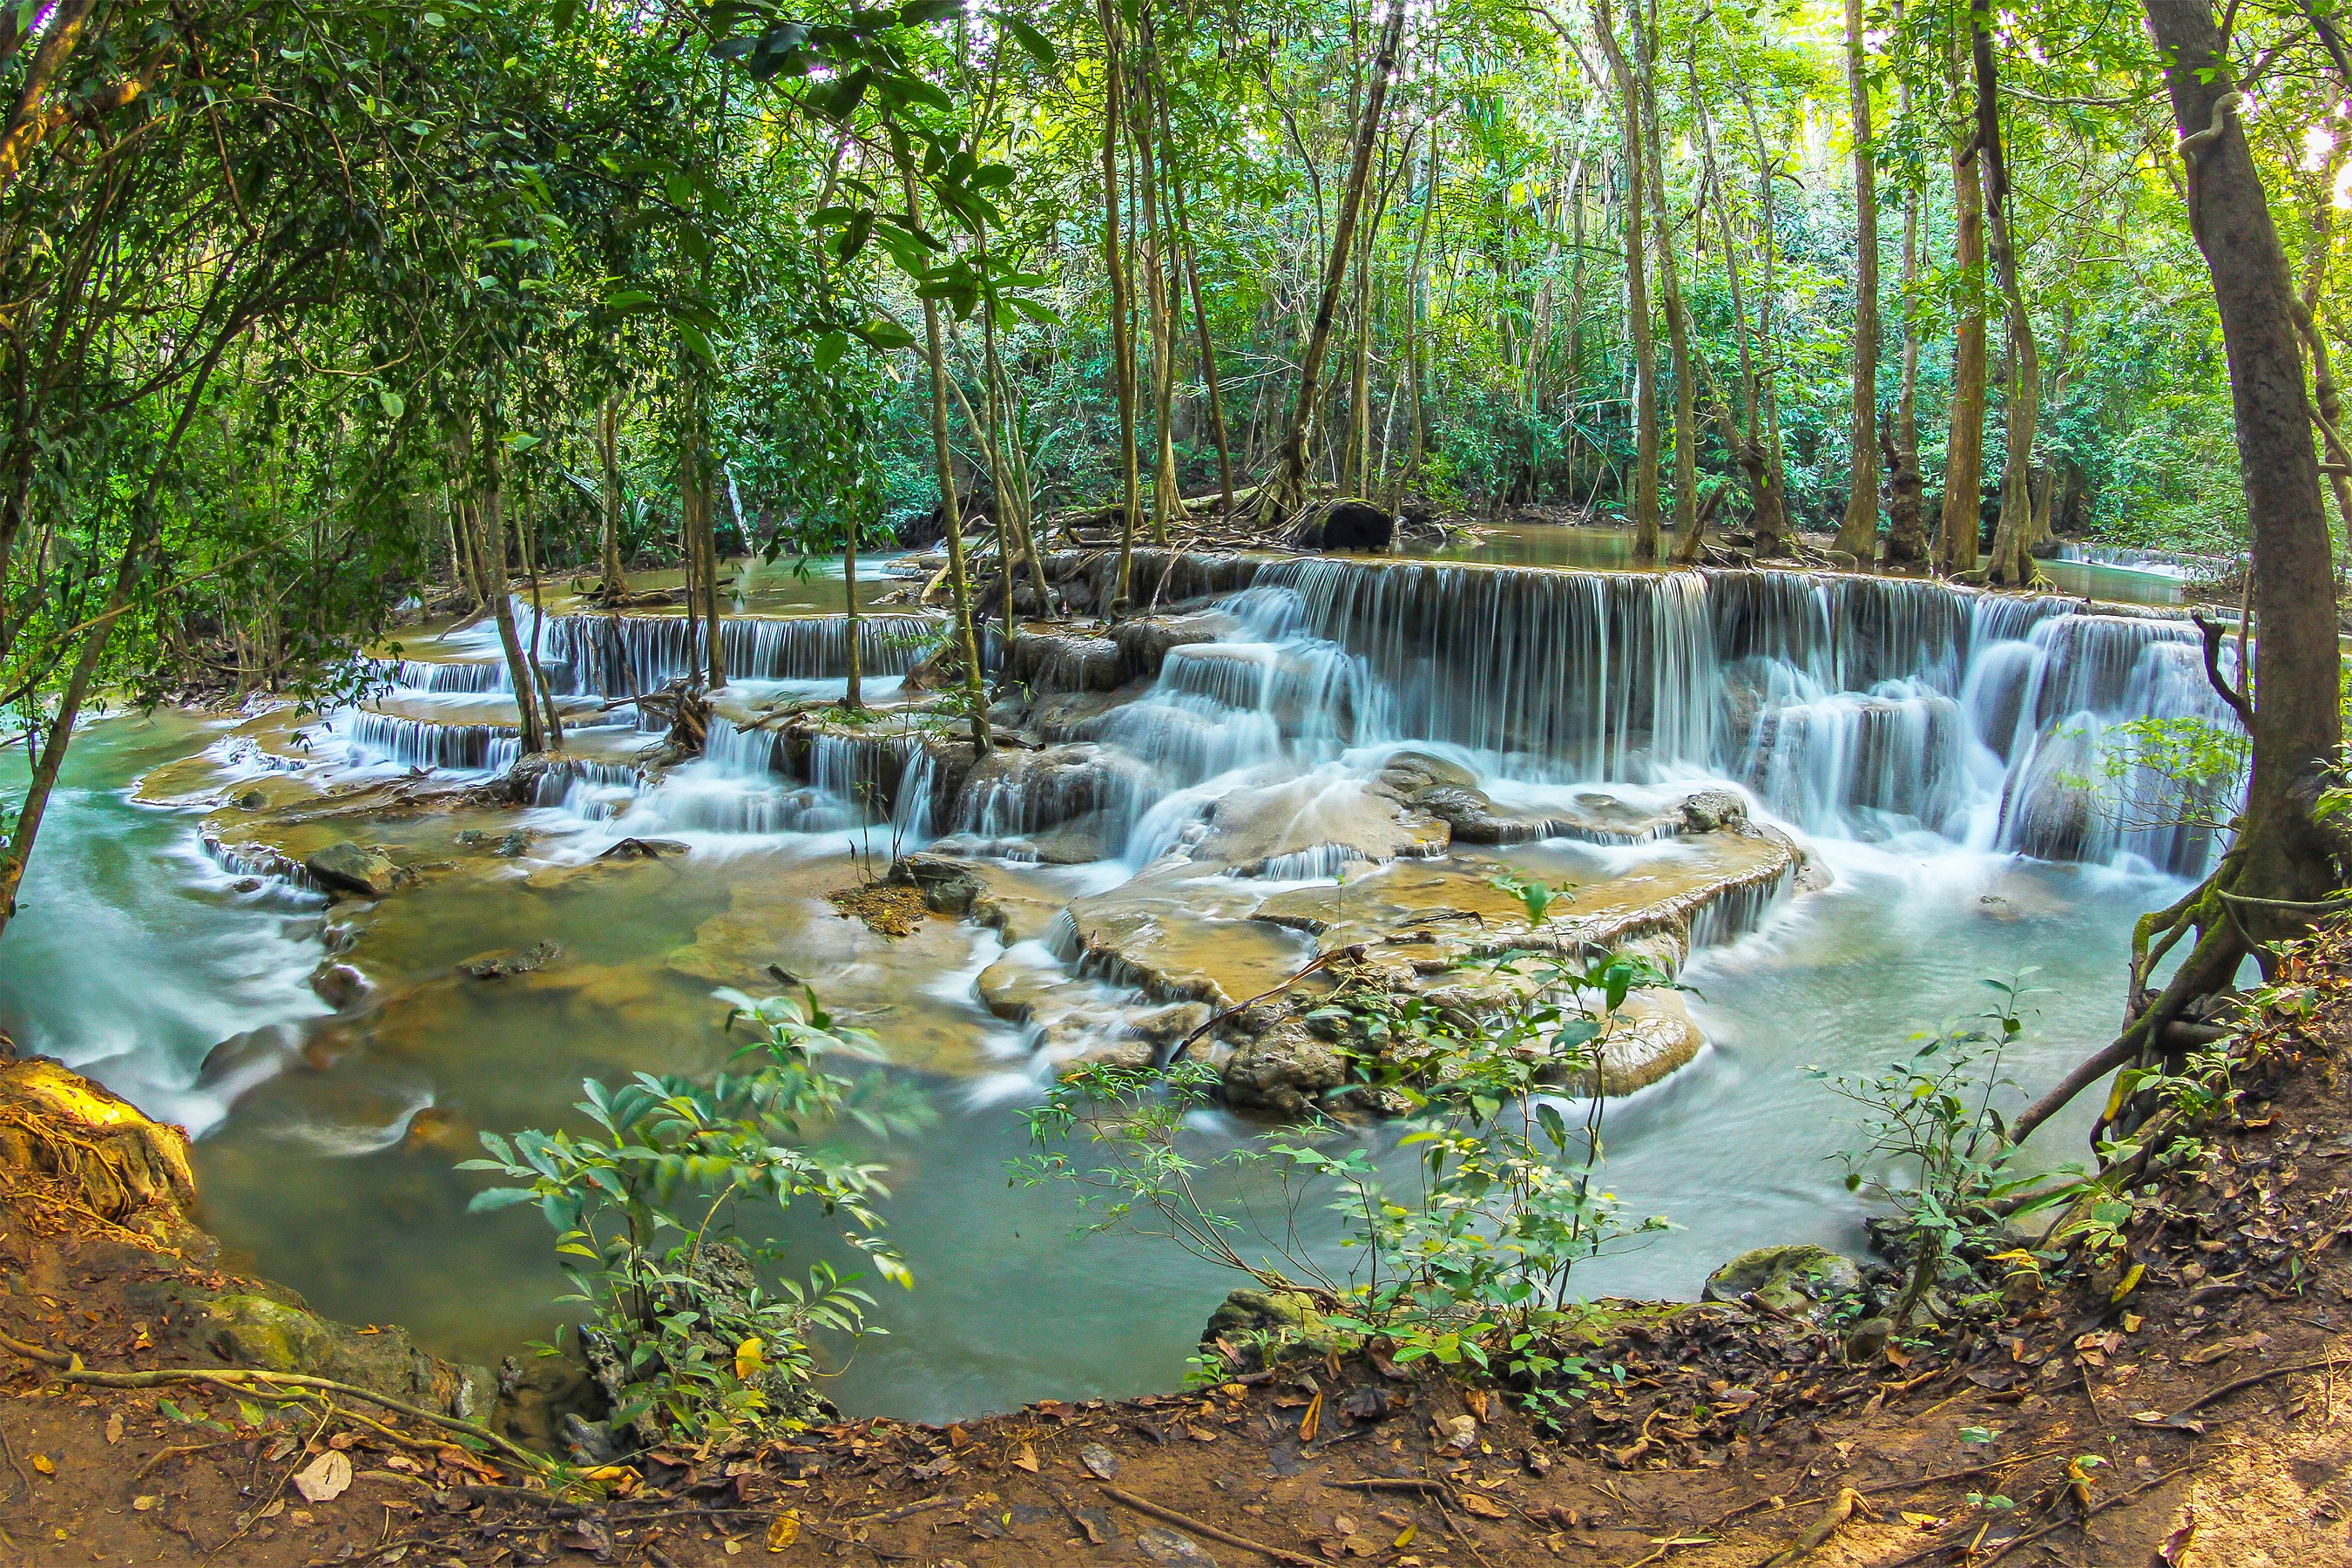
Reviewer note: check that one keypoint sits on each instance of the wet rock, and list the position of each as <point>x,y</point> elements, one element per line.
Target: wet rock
<point>1265,1328</point>
<point>626,849</point>
<point>1348,524</point>
<point>1143,643</point>
<point>1170,1550</point>
<point>1164,1028</point>
<point>510,962</point>
<point>1019,791</point>
<point>1064,661</point>
<point>1301,826</point>
<point>551,1404</point>
<point>1800,1279</point>
<point>349,867</point>
<point>1283,1071</point>
<point>1368,1099</point>
<point>278,1332</point>
<point>1711,809</point>
<point>338,984</point>
<point>948,887</point>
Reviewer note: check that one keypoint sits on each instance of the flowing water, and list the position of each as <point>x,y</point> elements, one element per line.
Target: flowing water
<point>1931,747</point>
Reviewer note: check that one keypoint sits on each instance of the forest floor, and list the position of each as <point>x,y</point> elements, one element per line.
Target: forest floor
<point>2203,1418</point>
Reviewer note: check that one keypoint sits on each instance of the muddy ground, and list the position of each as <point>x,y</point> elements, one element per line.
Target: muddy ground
<point>2203,1416</point>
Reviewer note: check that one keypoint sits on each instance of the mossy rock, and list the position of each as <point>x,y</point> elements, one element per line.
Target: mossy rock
<point>251,1329</point>
<point>1267,1327</point>
<point>1800,1279</point>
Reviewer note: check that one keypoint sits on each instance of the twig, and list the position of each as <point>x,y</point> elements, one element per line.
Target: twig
<point>2234,1385</point>
<point>1405,1484</point>
<point>893,1515</point>
<point>1209,1531</point>
<point>34,1352</point>
<point>242,1379</point>
<point>2150,1485</point>
<point>1843,1507</point>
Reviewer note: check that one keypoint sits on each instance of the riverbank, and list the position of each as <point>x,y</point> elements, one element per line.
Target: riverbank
<point>2186,1394</point>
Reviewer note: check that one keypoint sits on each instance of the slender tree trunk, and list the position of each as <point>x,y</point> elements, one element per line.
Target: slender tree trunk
<point>1416,308</point>
<point>1188,253</point>
<point>1858,533</point>
<point>695,503</point>
<point>2012,540</point>
<point>1959,530</point>
<point>1906,522</point>
<point>1285,488</point>
<point>1167,502</point>
<point>491,511</point>
<point>608,455</point>
<point>1122,346</point>
<point>2328,403</point>
<point>1637,294</point>
<point>551,717</point>
<point>1670,290</point>
<point>943,462</point>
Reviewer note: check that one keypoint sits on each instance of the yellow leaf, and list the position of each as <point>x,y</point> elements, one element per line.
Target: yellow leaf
<point>2132,1321</point>
<point>1404,1538</point>
<point>784,1530</point>
<point>1924,1521</point>
<point>1484,1506</point>
<point>1026,1458</point>
<point>41,1463</point>
<point>1312,1419</point>
<point>2131,1278</point>
<point>748,1361</point>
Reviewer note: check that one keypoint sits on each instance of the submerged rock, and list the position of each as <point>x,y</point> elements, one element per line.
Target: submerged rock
<point>1711,809</point>
<point>510,962</point>
<point>349,868</point>
<point>1800,1279</point>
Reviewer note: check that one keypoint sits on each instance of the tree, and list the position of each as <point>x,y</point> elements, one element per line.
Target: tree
<point>1858,531</point>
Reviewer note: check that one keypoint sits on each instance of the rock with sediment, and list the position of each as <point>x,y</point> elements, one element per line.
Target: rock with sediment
<point>348,868</point>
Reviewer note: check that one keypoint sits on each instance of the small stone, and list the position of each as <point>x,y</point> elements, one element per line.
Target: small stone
<point>350,868</point>
<point>1099,1461</point>
<point>1170,1550</point>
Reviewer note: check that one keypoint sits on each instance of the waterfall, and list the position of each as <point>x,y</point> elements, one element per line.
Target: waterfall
<point>619,656</point>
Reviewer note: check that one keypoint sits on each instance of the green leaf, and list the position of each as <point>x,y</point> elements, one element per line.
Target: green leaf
<point>828,351</point>
<point>394,406</point>
<point>491,1198</point>
<point>922,13</point>
<point>1039,46</point>
<point>886,335</point>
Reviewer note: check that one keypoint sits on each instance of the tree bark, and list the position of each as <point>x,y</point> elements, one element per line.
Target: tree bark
<point>1637,294</point>
<point>950,507</point>
<point>1167,504</point>
<point>1670,291</point>
<point>2012,540</point>
<point>2328,403</point>
<point>1858,533</point>
<point>1906,522</point>
<point>608,456</point>
<point>1285,488</point>
<point>1122,346</point>
<point>1959,530</point>
<point>492,512</point>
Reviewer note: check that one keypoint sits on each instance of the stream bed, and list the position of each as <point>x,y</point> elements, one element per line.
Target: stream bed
<point>328,1136</point>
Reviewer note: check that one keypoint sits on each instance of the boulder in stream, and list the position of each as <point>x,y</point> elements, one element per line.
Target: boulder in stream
<point>349,867</point>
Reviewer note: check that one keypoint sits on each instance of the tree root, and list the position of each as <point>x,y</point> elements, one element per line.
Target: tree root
<point>1208,1531</point>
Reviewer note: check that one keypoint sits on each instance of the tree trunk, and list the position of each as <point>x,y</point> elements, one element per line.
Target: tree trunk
<point>1285,488</point>
<point>2327,404</point>
<point>1167,504</point>
<point>694,494</point>
<point>1122,346</point>
<point>491,511</point>
<point>2012,540</point>
<point>950,509</point>
<point>1416,307</point>
<point>1637,295</point>
<point>1189,253</point>
<point>1858,533</point>
<point>608,456</point>
<point>1959,530</point>
<point>1906,522</point>
<point>1670,291</point>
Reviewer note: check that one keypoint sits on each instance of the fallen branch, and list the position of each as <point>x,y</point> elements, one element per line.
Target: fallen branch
<point>1405,1484</point>
<point>1843,1508</point>
<point>2249,1381</point>
<point>246,1380</point>
<point>1208,1531</point>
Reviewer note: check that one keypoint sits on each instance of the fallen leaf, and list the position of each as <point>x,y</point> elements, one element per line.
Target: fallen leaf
<point>143,1504</point>
<point>1361,1546</point>
<point>1484,1506</point>
<point>114,1427</point>
<point>1309,1423</point>
<point>1026,1458</point>
<point>324,1478</point>
<point>1404,1538</point>
<point>2175,1550</point>
<point>42,1463</point>
<point>1200,1433</point>
<point>1924,1521</point>
<point>784,1529</point>
<point>1474,1400</point>
<point>1099,1461</point>
<point>2132,1321</point>
<point>749,1360</point>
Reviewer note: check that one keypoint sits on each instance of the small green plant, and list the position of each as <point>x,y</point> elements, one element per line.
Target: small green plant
<point>1469,1259</point>
<point>1935,1148</point>
<point>645,1206</point>
<point>1536,898</point>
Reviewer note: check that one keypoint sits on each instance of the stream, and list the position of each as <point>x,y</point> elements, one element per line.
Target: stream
<point>326,1137</point>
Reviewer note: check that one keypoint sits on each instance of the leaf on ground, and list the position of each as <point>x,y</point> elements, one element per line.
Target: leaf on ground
<point>114,1427</point>
<point>1484,1506</point>
<point>784,1530</point>
<point>1099,1461</point>
<point>44,1464</point>
<point>324,1478</point>
<point>1311,1420</point>
<point>1026,1457</point>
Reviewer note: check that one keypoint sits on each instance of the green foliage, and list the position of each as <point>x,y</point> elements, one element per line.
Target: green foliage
<point>646,1203</point>
<point>1465,1258</point>
<point>1934,1146</point>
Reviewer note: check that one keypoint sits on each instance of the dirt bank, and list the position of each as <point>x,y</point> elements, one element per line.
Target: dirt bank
<point>2200,1413</point>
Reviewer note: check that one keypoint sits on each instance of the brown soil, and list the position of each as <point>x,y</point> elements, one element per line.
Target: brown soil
<point>888,909</point>
<point>2209,1392</point>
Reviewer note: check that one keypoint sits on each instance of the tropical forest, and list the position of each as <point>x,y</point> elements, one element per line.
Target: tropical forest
<point>1435,782</point>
